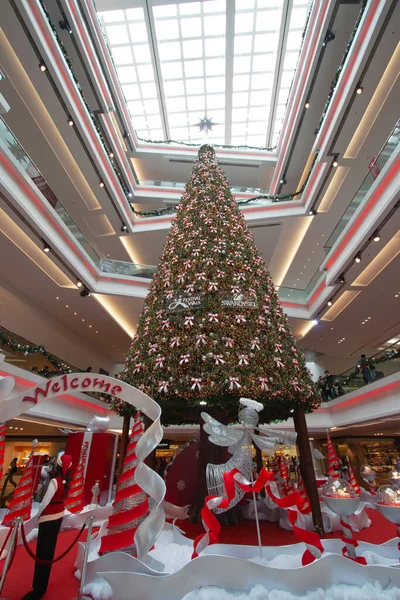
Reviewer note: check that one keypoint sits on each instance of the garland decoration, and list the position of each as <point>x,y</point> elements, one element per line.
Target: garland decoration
<point>26,349</point>
<point>198,144</point>
<point>157,212</point>
<point>335,80</point>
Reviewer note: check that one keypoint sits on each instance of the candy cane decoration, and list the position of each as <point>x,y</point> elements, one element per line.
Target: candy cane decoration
<point>348,538</point>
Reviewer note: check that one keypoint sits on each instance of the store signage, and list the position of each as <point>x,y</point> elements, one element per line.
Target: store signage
<point>81,382</point>
<point>163,445</point>
<point>184,303</point>
<point>239,301</point>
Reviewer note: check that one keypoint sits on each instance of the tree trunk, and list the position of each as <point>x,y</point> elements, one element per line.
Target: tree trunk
<point>209,453</point>
<point>124,442</point>
<point>307,467</point>
<point>151,459</point>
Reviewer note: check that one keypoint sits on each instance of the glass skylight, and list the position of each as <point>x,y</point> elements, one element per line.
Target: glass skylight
<point>172,64</point>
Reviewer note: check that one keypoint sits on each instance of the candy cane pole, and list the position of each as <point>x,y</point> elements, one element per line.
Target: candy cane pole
<point>348,534</point>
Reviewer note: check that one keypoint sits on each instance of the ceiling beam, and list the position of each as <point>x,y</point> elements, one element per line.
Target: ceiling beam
<point>229,54</point>
<point>280,57</point>
<point>151,30</point>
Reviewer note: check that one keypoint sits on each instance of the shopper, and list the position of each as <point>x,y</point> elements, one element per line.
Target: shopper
<point>364,368</point>
<point>12,470</point>
<point>50,514</point>
<point>328,378</point>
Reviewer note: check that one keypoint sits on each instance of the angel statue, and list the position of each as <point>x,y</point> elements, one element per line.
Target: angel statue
<point>239,442</point>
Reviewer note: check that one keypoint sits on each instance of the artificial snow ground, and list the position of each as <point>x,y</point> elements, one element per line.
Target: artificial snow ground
<point>335,592</point>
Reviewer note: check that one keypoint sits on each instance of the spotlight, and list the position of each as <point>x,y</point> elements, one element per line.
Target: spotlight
<point>101,184</point>
<point>359,90</point>
<point>283,181</point>
<point>42,67</point>
<point>342,279</point>
<point>307,105</point>
<point>335,163</point>
<point>377,236</point>
<point>358,258</point>
<point>313,212</point>
<point>65,26</point>
<point>329,303</point>
<point>46,247</point>
<point>328,38</point>
<point>84,293</point>
<point>111,155</point>
<point>70,121</point>
<point>124,228</point>
<point>79,283</point>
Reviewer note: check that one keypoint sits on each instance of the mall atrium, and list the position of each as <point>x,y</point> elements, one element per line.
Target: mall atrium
<point>103,109</point>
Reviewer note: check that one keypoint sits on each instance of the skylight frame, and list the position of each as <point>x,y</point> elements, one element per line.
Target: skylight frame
<point>271,95</point>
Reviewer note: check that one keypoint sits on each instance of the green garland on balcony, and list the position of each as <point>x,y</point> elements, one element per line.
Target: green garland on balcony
<point>157,212</point>
<point>335,80</point>
<point>25,349</point>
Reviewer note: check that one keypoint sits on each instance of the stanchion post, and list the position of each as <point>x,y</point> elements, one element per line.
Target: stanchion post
<point>85,559</point>
<point>13,541</point>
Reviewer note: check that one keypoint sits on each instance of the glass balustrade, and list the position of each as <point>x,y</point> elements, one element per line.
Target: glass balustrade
<point>119,267</point>
<point>27,165</point>
<point>362,374</point>
<point>376,165</point>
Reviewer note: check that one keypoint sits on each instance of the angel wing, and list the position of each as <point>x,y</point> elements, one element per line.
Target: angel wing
<point>219,434</point>
<point>268,445</point>
<point>283,437</point>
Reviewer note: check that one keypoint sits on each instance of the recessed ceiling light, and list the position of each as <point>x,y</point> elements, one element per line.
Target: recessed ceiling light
<point>46,247</point>
<point>66,306</point>
<point>358,258</point>
<point>83,319</point>
<point>359,90</point>
<point>79,283</point>
<point>75,313</point>
<point>329,302</point>
<point>101,184</point>
<point>111,155</point>
<point>89,325</point>
<point>97,332</point>
<point>335,163</point>
<point>307,105</point>
<point>70,122</point>
<point>57,297</point>
<point>377,237</point>
<point>42,67</point>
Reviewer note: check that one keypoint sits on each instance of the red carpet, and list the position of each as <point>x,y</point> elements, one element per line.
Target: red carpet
<point>64,586</point>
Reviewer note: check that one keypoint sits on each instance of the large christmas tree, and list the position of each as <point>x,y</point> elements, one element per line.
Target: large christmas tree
<point>212,328</point>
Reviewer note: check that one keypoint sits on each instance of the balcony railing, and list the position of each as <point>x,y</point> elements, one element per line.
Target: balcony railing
<point>375,166</point>
<point>366,371</point>
<point>119,267</point>
<point>27,164</point>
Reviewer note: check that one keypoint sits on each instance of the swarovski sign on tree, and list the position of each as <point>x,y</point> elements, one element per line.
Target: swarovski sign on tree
<point>212,329</point>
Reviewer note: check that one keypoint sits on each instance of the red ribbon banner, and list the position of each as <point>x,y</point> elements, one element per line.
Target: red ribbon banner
<point>213,527</point>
